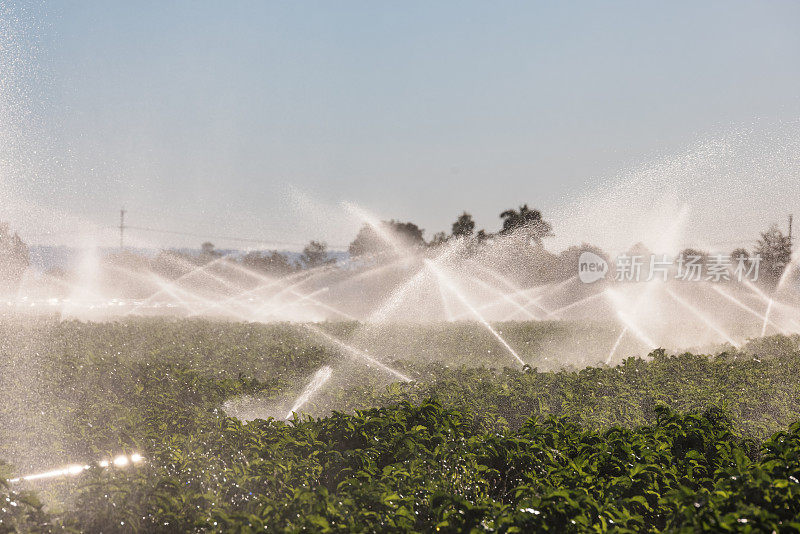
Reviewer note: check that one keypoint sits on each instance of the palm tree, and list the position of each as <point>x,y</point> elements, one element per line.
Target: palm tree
<point>526,221</point>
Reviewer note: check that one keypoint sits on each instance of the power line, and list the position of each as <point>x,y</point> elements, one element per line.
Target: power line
<point>173,232</point>
<point>223,238</point>
<point>122,228</point>
<point>283,243</point>
<point>71,232</point>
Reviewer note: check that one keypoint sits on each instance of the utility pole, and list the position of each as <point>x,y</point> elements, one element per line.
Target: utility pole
<point>122,228</point>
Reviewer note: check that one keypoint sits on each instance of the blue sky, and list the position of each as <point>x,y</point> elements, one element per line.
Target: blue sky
<point>259,118</point>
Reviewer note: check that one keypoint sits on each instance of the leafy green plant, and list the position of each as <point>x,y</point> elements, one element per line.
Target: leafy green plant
<point>665,443</point>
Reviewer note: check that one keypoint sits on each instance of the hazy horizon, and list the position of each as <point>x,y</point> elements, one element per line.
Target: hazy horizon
<point>257,120</point>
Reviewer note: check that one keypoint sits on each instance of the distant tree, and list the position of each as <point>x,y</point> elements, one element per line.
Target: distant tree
<point>14,258</point>
<point>439,238</point>
<point>741,259</point>
<point>273,262</point>
<point>315,254</point>
<point>367,241</point>
<point>566,264</point>
<point>527,221</point>
<point>464,225</point>
<point>740,254</point>
<point>639,249</point>
<point>691,264</point>
<point>775,250</point>
<point>408,233</point>
<point>403,234</point>
<point>207,250</point>
<point>690,253</point>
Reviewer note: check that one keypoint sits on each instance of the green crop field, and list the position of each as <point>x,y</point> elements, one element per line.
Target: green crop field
<point>383,267</point>
<point>660,443</point>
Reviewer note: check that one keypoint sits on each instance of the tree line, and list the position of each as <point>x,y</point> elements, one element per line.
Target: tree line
<point>518,225</point>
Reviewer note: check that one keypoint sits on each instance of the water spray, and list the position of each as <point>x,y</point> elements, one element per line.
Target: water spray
<point>770,302</point>
<point>746,308</point>
<point>584,300</point>
<point>309,297</point>
<point>700,315</point>
<point>355,352</point>
<point>515,289</point>
<point>76,469</point>
<point>444,280</point>
<point>628,323</point>
<point>376,225</point>
<point>320,377</point>
<point>504,297</point>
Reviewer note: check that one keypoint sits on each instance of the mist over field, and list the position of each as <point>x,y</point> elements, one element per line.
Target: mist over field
<point>293,267</point>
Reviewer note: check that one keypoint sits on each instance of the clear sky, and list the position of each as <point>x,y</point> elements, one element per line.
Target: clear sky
<point>257,119</point>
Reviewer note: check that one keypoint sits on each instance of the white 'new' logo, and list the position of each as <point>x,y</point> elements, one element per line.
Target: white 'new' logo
<point>591,267</point>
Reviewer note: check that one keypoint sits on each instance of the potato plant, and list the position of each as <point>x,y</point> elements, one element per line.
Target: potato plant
<point>668,442</point>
